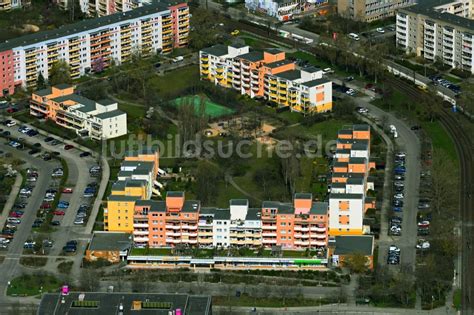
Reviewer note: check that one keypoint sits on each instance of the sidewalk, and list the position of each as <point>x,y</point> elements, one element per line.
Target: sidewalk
<point>11,198</point>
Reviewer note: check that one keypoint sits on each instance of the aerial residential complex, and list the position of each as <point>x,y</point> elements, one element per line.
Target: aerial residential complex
<point>439,30</point>
<point>299,225</point>
<point>98,120</point>
<point>371,10</point>
<point>93,44</point>
<point>283,10</point>
<point>267,74</point>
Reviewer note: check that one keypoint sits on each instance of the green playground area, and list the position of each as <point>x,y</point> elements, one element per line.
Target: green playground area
<point>211,109</point>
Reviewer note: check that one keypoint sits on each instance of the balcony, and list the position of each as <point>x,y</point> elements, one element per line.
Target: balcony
<point>140,225</point>
<point>173,227</point>
<point>301,243</point>
<point>319,243</point>
<point>204,58</point>
<point>140,239</point>
<point>173,233</point>
<point>189,227</point>
<point>269,241</point>
<point>319,236</point>
<point>138,232</point>
<point>318,229</point>
<point>270,234</point>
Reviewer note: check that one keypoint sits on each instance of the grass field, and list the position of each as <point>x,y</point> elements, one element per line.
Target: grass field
<point>211,109</point>
<point>27,285</point>
<point>440,138</point>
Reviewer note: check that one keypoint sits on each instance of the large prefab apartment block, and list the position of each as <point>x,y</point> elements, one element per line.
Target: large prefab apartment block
<point>92,45</point>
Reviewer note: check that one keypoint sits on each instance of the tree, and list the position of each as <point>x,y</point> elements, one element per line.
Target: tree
<point>59,73</point>
<point>357,263</point>
<point>40,82</point>
<point>89,280</point>
<point>98,65</point>
<point>207,175</point>
<point>204,32</point>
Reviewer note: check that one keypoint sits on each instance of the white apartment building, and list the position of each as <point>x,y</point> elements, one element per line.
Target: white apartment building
<point>92,45</point>
<point>439,30</point>
<point>371,10</point>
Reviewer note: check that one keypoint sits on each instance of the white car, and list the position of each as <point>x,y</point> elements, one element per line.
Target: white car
<point>328,70</point>
<point>351,92</point>
<point>401,154</point>
<point>398,196</point>
<point>79,221</point>
<point>363,110</point>
<point>13,220</point>
<point>11,123</point>
<point>422,244</point>
<point>392,128</point>
<point>394,248</point>
<point>380,30</point>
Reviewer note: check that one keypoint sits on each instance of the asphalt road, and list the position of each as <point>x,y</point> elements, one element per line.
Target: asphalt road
<point>9,268</point>
<point>409,143</point>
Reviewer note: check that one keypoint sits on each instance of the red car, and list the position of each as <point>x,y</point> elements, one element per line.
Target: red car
<point>67,191</point>
<point>68,147</point>
<point>12,110</point>
<point>368,86</point>
<point>15,215</point>
<point>58,212</point>
<point>46,205</point>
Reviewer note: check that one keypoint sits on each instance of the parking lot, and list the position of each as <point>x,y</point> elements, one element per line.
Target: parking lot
<point>64,207</point>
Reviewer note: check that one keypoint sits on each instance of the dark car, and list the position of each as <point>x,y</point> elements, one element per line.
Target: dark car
<point>47,157</point>
<point>55,222</point>
<point>157,65</point>
<point>69,249</point>
<point>56,153</point>
<point>32,133</point>
<point>55,142</point>
<point>20,205</point>
<point>84,154</point>
<point>48,139</point>
<point>34,151</point>
<point>6,133</point>
<point>415,127</point>
<point>68,147</point>
<point>71,243</point>
<point>37,145</point>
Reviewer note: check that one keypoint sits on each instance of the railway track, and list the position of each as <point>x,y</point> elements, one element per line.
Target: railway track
<point>464,148</point>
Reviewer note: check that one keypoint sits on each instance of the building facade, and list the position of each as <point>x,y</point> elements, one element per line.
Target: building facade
<point>284,10</point>
<point>98,120</point>
<point>370,10</point>
<point>92,45</point>
<point>268,75</point>
<point>439,31</point>
<point>349,182</point>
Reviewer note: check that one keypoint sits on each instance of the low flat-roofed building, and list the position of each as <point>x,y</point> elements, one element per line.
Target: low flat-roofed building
<point>346,245</point>
<point>123,303</point>
<point>111,246</point>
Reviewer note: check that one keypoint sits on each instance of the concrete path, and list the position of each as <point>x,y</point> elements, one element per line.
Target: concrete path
<point>11,198</point>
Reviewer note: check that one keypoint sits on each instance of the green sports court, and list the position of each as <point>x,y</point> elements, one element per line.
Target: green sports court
<point>212,109</point>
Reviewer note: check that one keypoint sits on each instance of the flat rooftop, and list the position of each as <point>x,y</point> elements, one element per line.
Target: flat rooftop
<point>110,241</point>
<point>109,303</point>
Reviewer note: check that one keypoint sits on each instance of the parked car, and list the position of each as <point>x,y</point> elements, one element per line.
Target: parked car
<point>59,212</point>
<point>68,147</point>
<point>48,139</point>
<point>84,154</point>
<point>67,190</point>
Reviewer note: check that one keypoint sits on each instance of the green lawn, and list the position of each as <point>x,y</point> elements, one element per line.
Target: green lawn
<point>457,298</point>
<point>246,300</point>
<point>175,80</point>
<point>211,109</point>
<point>440,138</point>
<point>327,129</point>
<point>151,251</point>
<point>30,285</point>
